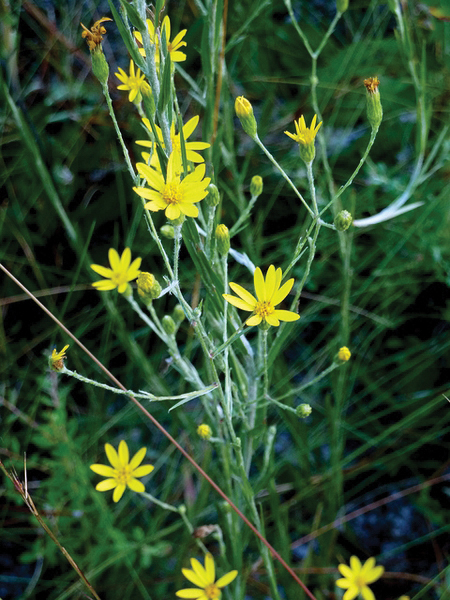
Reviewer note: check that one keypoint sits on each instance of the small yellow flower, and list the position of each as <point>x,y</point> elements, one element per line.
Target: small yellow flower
<point>95,35</point>
<point>134,83</point>
<point>357,576</point>
<point>121,272</point>
<point>304,135</point>
<point>344,354</point>
<point>269,294</point>
<point>123,471</point>
<point>57,358</point>
<point>204,431</point>
<point>173,47</point>
<point>175,196</point>
<point>204,578</point>
<point>191,147</point>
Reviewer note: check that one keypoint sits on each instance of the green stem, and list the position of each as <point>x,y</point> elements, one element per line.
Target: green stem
<point>283,173</point>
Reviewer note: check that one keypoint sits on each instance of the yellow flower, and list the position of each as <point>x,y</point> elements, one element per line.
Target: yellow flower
<point>357,576</point>
<point>269,294</point>
<point>204,578</point>
<point>120,273</point>
<point>134,83</point>
<point>204,431</point>
<point>344,354</point>
<point>175,196</point>
<point>57,358</point>
<point>123,471</point>
<point>173,47</point>
<point>190,147</point>
<point>305,135</point>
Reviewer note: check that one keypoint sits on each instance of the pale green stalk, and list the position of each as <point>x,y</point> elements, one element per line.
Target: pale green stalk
<point>283,173</point>
<point>141,394</point>
<point>126,155</point>
<point>302,388</point>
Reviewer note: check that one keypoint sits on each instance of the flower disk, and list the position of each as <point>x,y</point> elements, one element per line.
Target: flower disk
<point>357,576</point>
<point>204,578</point>
<point>122,472</point>
<point>269,294</point>
<point>120,273</point>
<point>175,196</point>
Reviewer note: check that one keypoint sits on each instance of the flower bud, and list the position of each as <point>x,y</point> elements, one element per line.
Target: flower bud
<point>178,314</point>
<point>344,354</point>
<point>303,410</point>
<point>168,325</point>
<point>168,232</point>
<point>204,431</point>
<point>343,220</point>
<point>213,197</point>
<point>341,5</point>
<point>256,186</point>
<point>222,239</point>
<point>374,108</point>
<point>148,287</point>
<point>244,111</point>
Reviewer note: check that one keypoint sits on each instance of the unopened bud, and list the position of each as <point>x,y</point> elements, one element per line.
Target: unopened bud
<point>168,325</point>
<point>213,197</point>
<point>303,410</point>
<point>148,287</point>
<point>344,354</point>
<point>343,220</point>
<point>222,239</point>
<point>256,186</point>
<point>244,111</point>
<point>204,431</point>
<point>341,5</point>
<point>178,314</point>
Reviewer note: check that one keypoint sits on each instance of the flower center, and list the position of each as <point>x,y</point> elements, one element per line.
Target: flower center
<point>212,592</point>
<point>119,277</point>
<point>171,193</point>
<point>263,309</point>
<point>123,475</point>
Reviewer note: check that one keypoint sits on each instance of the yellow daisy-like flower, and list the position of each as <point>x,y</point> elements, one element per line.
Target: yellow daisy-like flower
<point>121,272</point>
<point>57,358</point>
<point>191,147</point>
<point>173,195</point>
<point>304,135</point>
<point>134,83</point>
<point>123,471</point>
<point>204,578</point>
<point>357,576</point>
<point>269,294</point>
<point>173,47</point>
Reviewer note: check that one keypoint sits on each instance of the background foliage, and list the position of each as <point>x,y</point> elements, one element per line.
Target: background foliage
<point>378,426</point>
